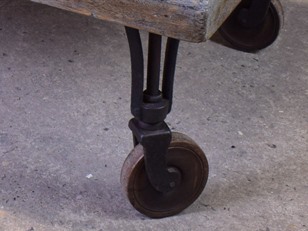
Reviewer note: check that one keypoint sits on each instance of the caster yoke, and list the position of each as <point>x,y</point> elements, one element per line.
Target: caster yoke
<point>253,13</point>
<point>151,106</point>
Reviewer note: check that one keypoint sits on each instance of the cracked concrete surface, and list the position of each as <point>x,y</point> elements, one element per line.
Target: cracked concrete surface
<point>64,107</point>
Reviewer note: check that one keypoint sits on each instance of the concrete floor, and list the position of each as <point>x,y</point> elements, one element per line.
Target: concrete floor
<point>64,108</point>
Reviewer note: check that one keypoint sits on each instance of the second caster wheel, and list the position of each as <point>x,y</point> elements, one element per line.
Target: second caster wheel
<point>256,37</point>
<point>186,157</point>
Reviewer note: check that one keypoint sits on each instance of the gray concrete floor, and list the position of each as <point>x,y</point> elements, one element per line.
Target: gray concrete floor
<point>64,90</point>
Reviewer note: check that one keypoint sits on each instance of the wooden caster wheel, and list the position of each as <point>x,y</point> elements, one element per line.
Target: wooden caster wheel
<point>252,39</point>
<point>186,157</point>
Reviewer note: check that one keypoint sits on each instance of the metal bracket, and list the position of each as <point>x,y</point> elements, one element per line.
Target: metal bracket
<point>156,141</point>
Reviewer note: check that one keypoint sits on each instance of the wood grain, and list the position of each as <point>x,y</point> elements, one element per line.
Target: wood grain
<point>189,20</point>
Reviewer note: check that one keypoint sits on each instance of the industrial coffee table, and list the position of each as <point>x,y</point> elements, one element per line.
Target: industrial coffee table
<point>167,171</point>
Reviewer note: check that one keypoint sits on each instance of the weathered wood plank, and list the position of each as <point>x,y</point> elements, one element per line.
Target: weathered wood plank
<point>190,20</point>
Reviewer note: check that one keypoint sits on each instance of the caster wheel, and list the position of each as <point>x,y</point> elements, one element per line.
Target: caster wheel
<point>184,155</point>
<point>252,39</point>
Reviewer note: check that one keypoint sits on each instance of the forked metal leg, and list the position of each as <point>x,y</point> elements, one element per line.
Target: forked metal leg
<point>150,106</point>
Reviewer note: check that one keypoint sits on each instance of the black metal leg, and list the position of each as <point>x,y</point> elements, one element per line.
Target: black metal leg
<point>151,106</point>
<point>154,57</point>
<point>137,69</point>
<point>169,69</point>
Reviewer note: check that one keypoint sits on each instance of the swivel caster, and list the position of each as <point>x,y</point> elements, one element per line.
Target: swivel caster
<point>185,157</point>
<point>254,25</point>
<point>165,172</point>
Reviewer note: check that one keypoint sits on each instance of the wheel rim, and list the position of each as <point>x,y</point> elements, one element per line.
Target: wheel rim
<point>186,157</point>
<point>251,39</point>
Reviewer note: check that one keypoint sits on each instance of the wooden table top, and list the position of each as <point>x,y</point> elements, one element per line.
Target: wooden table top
<point>189,20</point>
